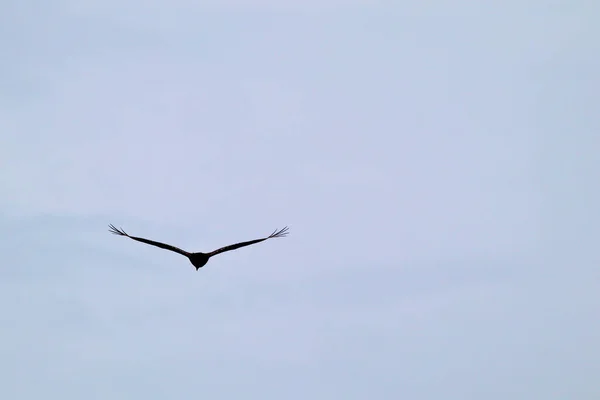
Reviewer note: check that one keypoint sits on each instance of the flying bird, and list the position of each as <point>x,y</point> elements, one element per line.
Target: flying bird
<point>199,259</point>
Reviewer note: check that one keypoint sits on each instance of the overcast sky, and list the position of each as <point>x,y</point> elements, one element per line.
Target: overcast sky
<point>437,164</point>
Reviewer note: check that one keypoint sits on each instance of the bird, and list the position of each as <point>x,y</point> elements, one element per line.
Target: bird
<point>198,259</point>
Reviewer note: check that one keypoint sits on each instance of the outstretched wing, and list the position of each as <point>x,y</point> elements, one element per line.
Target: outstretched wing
<point>277,233</point>
<point>121,232</point>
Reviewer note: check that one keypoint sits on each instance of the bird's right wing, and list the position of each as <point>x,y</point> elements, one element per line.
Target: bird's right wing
<point>165,246</point>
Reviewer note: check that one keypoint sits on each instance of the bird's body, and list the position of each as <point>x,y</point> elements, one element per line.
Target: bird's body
<point>198,259</point>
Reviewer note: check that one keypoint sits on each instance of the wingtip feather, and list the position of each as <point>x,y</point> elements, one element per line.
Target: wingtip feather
<point>280,233</point>
<point>116,231</point>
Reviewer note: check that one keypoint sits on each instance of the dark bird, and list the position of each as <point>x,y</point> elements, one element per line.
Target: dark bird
<point>199,259</point>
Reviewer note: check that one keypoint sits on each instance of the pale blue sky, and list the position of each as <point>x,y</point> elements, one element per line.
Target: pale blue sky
<point>437,163</point>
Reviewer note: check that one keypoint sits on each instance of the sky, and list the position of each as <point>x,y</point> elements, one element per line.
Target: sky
<point>436,162</point>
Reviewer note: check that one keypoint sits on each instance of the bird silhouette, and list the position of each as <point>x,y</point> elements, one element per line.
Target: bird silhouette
<point>199,259</point>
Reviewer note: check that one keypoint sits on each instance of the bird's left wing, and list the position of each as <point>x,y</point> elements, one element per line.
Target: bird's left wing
<point>277,233</point>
